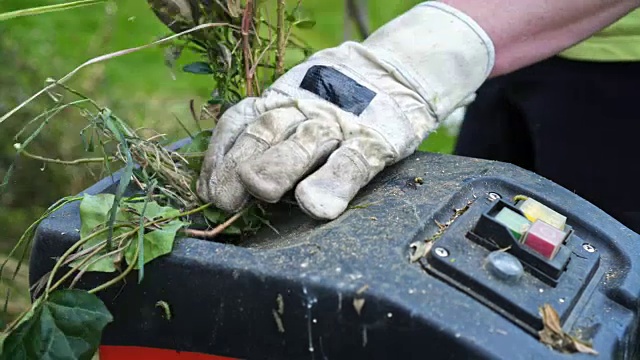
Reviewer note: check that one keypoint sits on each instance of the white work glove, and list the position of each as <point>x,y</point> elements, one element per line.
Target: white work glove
<point>329,125</point>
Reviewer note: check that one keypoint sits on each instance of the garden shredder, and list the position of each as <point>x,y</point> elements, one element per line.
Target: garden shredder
<point>440,257</point>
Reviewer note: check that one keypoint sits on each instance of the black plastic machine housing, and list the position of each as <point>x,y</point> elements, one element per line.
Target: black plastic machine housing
<point>347,289</point>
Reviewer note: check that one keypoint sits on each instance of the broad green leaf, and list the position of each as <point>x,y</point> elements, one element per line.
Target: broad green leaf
<point>199,68</point>
<point>94,215</point>
<point>105,264</point>
<point>300,18</point>
<point>68,325</point>
<point>25,318</point>
<point>153,210</point>
<point>156,243</point>
<point>94,212</point>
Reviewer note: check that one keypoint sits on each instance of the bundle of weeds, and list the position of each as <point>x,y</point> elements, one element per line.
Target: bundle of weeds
<point>170,172</point>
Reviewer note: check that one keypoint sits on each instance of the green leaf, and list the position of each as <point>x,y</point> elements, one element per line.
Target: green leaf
<point>215,216</point>
<point>301,19</point>
<point>94,215</point>
<point>88,144</point>
<point>68,325</point>
<point>232,230</point>
<point>106,264</point>
<point>156,243</point>
<point>116,127</point>
<point>305,24</point>
<point>199,68</point>
<point>153,211</point>
<point>216,100</point>
<point>94,212</point>
<point>141,225</point>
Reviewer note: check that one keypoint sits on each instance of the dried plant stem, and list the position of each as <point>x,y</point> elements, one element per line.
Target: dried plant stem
<point>92,160</point>
<point>69,252</point>
<point>86,261</point>
<point>282,41</point>
<point>66,162</point>
<point>210,234</point>
<point>93,261</point>
<point>247,19</point>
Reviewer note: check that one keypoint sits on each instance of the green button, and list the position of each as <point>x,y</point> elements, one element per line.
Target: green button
<point>516,223</point>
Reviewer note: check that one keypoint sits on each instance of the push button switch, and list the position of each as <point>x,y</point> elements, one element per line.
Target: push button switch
<point>539,246</point>
<point>504,266</point>
<point>535,210</point>
<point>516,223</point>
<point>544,239</point>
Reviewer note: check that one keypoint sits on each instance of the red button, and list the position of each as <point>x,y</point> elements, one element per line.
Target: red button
<point>544,239</point>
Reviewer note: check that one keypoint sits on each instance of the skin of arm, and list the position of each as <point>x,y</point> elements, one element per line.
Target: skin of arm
<point>527,31</point>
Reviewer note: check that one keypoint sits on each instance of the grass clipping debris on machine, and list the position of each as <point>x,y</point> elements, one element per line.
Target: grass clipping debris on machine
<point>155,201</point>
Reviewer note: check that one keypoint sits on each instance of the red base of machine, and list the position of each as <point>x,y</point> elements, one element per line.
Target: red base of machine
<point>144,353</point>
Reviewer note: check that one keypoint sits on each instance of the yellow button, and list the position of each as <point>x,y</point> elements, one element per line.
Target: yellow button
<point>534,210</point>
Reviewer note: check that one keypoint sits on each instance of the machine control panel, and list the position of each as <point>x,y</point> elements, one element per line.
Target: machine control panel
<point>517,256</point>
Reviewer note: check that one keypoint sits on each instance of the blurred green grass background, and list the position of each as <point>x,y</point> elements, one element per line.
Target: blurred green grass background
<point>138,87</point>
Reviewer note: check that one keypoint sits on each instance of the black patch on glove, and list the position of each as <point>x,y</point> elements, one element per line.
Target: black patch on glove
<point>338,89</point>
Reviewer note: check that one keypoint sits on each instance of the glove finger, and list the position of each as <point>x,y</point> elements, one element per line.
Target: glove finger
<point>326,193</point>
<point>227,191</point>
<point>270,175</point>
<point>231,124</point>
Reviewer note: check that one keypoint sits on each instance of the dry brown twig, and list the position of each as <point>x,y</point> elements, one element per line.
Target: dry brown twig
<point>247,20</point>
<point>282,41</point>
<point>210,234</point>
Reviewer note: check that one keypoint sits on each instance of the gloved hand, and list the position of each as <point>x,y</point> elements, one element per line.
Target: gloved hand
<point>329,125</point>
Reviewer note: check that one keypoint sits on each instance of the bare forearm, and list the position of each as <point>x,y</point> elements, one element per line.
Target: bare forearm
<point>527,31</point>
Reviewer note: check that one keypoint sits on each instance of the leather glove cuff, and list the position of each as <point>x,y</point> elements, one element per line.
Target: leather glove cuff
<point>437,51</point>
